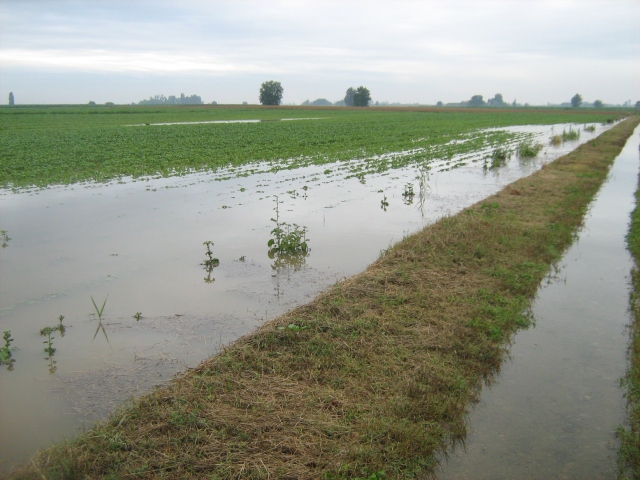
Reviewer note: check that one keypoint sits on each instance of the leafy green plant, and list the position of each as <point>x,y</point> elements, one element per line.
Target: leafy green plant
<point>5,350</point>
<point>384,203</point>
<point>590,128</point>
<point>211,261</point>
<point>288,239</point>
<point>137,316</point>
<point>46,332</point>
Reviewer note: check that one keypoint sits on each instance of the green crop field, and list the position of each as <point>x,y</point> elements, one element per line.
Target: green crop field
<point>42,146</point>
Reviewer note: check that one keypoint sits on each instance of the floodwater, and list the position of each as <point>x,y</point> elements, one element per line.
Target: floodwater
<point>553,410</point>
<point>138,244</point>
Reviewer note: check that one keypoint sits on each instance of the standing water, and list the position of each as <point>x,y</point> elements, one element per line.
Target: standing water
<point>138,246</point>
<point>553,411</point>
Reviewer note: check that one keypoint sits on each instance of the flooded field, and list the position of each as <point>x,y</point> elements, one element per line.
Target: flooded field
<point>553,410</point>
<point>138,248</point>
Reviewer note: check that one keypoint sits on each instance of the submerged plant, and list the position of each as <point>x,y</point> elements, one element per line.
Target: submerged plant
<point>590,128</point>
<point>499,157</point>
<point>137,316</point>
<point>556,140</point>
<point>384,203</point>
<point>408,193</point>
<point>5,238</point>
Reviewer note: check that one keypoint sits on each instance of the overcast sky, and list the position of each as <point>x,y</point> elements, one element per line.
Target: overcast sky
<point>66,51</point>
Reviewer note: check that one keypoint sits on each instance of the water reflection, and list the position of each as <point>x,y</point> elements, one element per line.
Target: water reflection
<point>553,410</point>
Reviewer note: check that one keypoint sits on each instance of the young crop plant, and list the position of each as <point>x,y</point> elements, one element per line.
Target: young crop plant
<point>590,128</point>
<point>556,140</point>
<point>384,203</point>
<point>288,239</point>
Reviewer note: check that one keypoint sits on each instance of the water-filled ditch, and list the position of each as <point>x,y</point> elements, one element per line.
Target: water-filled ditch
<point>553,409</point>
<point>138,245</point>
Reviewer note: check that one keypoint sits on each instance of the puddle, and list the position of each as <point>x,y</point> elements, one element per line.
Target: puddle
<point>553,410</point>
<point>139,245</point>
<point>225,121</point>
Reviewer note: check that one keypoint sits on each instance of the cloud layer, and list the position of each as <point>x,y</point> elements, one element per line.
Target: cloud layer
<point>408,51</point>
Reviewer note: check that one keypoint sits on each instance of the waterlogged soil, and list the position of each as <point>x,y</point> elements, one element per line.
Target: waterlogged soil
<point>554,409</point>
<point>138,244</point>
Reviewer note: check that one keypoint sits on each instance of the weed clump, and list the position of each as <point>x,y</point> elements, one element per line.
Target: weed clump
<point>570,135</point>
<point>288,239</point>
<point>529,149</point>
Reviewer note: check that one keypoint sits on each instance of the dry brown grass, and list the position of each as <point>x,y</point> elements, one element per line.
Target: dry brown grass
<point>388,364</point>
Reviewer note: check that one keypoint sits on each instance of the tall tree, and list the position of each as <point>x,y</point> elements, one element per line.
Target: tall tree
<point>11,99</point>
<point>576,100</point>
<point>361,97</point>
<point>497,100</point>
<point>348,98</point>
<point>476,101</point>
<point>598,104</point>
<point>271,93</point>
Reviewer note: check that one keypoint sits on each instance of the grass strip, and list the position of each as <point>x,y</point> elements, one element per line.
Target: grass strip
<point>375,374</point>
<point>629,452</point>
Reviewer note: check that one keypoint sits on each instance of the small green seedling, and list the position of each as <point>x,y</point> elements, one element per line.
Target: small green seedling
<point>99,312</point>
<point>137,316</point>
<point>384,203</point>
<point>61,328</point>
<point>408,190</point>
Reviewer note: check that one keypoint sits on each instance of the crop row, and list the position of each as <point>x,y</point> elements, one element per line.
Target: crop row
<point>40,147</point>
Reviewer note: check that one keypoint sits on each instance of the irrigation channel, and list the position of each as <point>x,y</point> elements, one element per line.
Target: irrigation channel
<point>553,410</point>
<point>135,247</point>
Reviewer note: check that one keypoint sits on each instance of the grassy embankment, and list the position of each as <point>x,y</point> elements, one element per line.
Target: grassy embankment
<point>373,375</point>
<point>629,454</point>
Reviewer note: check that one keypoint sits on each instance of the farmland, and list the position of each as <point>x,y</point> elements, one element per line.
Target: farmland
<point>373,375</point>
<point>171,197</point>
<point>66,145</point>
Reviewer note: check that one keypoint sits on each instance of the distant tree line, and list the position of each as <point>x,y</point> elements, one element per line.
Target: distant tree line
<point>172,100</point>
